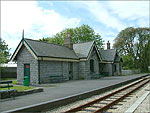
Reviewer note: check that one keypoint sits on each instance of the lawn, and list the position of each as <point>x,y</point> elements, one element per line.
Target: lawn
<point>7,78</point>
<point>17,87</point>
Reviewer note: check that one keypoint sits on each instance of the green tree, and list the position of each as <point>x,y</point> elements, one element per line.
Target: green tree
<point>84,33</point>
<point>4,52</point>
<point>128,62</point>
<point>135,42</point>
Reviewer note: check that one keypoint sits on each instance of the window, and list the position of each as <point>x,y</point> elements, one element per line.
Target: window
<point>92,65</point>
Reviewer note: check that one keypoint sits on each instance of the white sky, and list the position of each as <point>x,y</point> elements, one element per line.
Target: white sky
<point>39,21</point>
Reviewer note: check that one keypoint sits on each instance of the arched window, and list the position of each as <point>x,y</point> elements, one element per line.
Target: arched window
<point>92,65</point>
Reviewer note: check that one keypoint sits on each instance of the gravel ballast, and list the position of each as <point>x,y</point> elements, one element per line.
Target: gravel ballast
<point>121,106</point>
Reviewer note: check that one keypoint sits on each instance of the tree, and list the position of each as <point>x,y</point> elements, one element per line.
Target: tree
<point>84,33</point>
<point>135,42</point>
<point>128,62</point>
<point>4,52</point>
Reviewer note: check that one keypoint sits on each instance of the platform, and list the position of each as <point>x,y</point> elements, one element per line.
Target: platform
<point>62,90</point>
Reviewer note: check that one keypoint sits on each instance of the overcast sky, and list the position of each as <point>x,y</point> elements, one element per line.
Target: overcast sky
<point>45,18</point>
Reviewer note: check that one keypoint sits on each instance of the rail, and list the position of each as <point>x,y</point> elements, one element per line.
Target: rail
<point>101,108</point>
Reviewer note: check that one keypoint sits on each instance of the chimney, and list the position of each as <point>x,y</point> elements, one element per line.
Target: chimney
<point>108,45</point>
<point>68,41</point>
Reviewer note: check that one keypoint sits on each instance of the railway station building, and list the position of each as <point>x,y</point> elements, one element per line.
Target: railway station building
<point>41,61</point>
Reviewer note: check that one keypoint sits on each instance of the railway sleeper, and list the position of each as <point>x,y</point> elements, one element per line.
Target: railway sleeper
<point>121,96</point>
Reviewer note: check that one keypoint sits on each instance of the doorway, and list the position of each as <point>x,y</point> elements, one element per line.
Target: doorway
<point>27,70</point>
<point>70,68</point>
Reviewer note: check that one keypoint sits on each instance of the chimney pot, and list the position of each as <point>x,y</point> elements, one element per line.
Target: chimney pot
<point>108,45</point>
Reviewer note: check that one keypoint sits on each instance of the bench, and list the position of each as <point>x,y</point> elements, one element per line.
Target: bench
<point>57,78</point>
<point>104,74</point>
<point>6,84</point>
<point>96,75</point>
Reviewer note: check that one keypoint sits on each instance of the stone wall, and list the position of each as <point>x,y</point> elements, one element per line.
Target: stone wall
<point>84,69</point>
<point>14,93</point>
<point>52,68</point>
<point>84,66</point>
<point>56,68</point>
<point>117,72</point>
<point>25,57</point>
<point>8,72</point>
<point>109,69</point>
<point>129,72</point>
<point>75,70</point>
<point>106,69</point>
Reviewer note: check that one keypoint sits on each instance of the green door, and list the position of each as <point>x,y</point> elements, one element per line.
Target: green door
<point>27,71</point>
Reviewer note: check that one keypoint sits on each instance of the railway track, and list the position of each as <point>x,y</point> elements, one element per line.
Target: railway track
<point>103,103</point>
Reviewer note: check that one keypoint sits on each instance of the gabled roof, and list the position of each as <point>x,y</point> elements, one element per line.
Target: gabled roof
<point>108,55</point>
<point>43,49</point>
<point>49,51</point>
<point>82,49</point>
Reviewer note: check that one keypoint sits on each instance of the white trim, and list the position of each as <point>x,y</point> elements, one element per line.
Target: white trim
<point>107,62</point>
<point>98,53</point>
<point>94,45</point>
<point>28,48</point>
<point>90,51</point>
<point>16,52</point>
<point>83,59</point>
<point>58,59</point>
<point>19,47</point>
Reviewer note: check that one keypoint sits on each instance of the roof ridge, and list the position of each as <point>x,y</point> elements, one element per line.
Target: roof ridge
<point>52,44</point>
<point>47,42</point>
<point>84,42</point>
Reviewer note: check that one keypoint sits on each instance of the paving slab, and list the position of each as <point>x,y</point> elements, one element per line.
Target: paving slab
<point>61,90</point>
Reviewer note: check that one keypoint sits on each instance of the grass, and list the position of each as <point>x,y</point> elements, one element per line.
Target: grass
<point>18,88</point>
<point>7,78</point>
<point>22,88</point>
<point>14,82</point>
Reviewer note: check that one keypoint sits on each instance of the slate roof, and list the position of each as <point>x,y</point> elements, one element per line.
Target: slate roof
<point>82,49</point>
<point>44,49</point>
<point>108,55</point>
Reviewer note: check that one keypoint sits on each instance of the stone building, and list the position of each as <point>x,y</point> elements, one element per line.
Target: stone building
<point>111,62</point>
<point>41,61</point>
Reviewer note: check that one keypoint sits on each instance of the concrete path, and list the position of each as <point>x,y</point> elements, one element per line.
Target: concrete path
<point>62,90</point>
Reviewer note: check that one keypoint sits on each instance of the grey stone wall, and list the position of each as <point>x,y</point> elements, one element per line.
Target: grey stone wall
<point>25,57</point>
<point>65,69</point>
<point>75,70</point>
<point>84,70</point>
<point>117,69</point>
<point>56,68</point>
<point>106,69</point>
<point>84,66</point>
<point>8,72</point>
<point>129,72</point>
<point>96,61</point>
<point>51,68</point>
<point>110,69</point>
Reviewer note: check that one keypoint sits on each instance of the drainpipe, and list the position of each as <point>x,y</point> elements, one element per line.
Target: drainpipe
<point>112,70</point>
<point>39,71</point>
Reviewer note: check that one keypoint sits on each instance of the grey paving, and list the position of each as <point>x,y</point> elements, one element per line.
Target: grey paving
<point>62,90</point>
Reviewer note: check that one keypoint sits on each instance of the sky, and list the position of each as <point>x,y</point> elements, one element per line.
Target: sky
<point>46,18</point>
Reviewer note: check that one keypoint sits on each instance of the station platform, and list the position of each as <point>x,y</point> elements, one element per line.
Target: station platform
<point>58,91</point>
